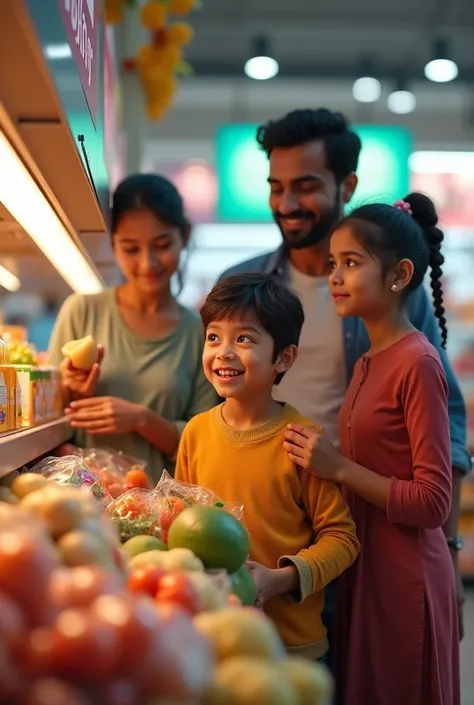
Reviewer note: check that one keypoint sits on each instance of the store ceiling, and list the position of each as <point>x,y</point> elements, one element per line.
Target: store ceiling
<point>319,46</point>
<point>328,38</point>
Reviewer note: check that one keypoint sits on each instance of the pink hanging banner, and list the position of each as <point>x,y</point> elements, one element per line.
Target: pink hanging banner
<point>81,20</point>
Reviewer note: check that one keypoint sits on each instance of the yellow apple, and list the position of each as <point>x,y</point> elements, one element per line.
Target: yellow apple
<point>82,352</point>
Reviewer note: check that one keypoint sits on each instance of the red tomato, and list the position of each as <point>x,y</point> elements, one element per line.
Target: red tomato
<point>115,489</point>
<point>12,623</point>
<point>78,587</point>
<point>121,692</point>
<point>25,568</point>
<point>84,647</point>
<point>37,652</point>
<point>145,580</point>
<point>178,589</point>
<point>12,680</point>
<point>51,691</point>
<point>185,659</point>
<point>129,507</point>
<point>169,510</point>
<point>134,619</point>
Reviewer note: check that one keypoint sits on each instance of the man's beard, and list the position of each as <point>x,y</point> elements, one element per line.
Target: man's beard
<point>321,227</point>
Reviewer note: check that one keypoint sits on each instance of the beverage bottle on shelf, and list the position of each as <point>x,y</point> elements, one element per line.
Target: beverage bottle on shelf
<point>5,411</point>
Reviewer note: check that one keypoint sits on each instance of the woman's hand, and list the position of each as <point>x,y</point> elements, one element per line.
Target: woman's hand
<point>81,383</point>
<point>105,415</point>
<point>313,450</point>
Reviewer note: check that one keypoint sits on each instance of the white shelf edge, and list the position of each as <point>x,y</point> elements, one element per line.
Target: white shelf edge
<point>23,446</point>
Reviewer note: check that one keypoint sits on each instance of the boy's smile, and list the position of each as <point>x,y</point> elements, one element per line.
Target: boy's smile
<point>238,357</point>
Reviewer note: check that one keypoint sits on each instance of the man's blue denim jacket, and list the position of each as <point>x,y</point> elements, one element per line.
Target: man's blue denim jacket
<point>356,343</point>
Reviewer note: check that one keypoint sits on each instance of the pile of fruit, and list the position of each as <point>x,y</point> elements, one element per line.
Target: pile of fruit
<point>85,621</point>
<point>200,538</point>
<point>22,353</point>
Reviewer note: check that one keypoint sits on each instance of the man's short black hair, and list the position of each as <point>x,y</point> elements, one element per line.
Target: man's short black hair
<point>341,144</point>
<point>278,310</point>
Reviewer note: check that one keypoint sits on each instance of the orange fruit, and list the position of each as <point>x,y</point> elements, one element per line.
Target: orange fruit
<point>137,478</point>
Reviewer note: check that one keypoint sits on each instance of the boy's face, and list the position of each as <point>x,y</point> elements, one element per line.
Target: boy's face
<point>237,358</point>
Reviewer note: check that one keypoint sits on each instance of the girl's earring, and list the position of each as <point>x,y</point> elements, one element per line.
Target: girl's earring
<point>394,287</point>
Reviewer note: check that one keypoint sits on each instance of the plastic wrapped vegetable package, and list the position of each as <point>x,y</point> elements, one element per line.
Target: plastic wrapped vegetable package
<point>72,470</point>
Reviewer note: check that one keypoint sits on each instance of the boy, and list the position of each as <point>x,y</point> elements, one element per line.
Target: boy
<point>301,533</point>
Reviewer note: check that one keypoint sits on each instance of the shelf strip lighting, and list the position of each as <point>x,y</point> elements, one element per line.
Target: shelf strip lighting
<point>27,204</point>
<point>8,280</point>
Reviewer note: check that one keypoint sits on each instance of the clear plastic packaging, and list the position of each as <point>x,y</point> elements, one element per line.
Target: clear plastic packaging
<point>116,470</point>
<point>72,470</point>
<point>152,512</point>
<point>193,494</point>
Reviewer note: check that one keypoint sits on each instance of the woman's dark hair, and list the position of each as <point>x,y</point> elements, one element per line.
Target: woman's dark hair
<point>341,144</point>
<point>391,235</point>
<point>151,192</point>
<point>277,309</point>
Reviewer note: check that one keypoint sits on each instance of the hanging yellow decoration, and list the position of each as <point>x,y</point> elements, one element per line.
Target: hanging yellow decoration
<point>180,33</point>
<point>153,15</point>
<point>181,7</point>
<point>159,62</point>
<point>114,11</point>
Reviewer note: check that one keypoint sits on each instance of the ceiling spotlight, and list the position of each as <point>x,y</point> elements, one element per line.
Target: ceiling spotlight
<point>441,69</point>
<point>401,101</point>
<point>261,66</point>
<point>366,88</point>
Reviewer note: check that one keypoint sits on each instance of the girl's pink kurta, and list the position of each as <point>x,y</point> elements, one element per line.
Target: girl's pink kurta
<point>397,633</point>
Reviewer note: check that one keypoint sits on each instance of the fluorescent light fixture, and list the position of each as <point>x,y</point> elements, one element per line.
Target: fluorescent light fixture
<point>401,102</point>
<point>441,69</point>
<point>366,89</point>
<point>435,162</point>
<point>261,66</point>
<point>58,51</point>
<point>8,280</point>
<point>21,196</point>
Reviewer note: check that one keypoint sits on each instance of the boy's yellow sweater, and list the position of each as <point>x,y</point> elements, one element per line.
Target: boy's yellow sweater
<point>291,516</point>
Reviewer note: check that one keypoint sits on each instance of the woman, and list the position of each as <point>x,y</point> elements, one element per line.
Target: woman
<point>398,628</point>
<point>148,380</point>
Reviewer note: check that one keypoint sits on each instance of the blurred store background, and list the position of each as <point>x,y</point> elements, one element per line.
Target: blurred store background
<point>81,114</point>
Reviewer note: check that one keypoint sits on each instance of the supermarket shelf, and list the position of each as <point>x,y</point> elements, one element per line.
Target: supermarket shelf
<point>21,447</point>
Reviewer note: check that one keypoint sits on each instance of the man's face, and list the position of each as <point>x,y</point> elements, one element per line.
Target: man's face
<point>304,197</point>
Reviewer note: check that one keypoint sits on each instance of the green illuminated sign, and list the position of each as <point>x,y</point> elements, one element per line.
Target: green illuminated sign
<point>242,170</point>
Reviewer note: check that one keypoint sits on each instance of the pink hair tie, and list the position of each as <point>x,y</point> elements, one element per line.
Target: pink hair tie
<point>403,206</point>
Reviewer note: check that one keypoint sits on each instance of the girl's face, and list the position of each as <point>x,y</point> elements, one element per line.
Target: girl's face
<point>357,283</point>
<point>147,250</point>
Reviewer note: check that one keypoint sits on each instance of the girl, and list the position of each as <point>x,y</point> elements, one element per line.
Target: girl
<point>150,382</point>
<point>398,632</point>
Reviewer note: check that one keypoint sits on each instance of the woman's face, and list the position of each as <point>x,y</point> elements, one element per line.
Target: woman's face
<point>147,250</point>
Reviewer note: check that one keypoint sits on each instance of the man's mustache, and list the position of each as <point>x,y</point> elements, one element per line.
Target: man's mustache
<point>296,215</point>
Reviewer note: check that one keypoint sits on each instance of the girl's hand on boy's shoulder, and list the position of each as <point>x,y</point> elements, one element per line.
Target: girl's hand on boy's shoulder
<point>312,449</point>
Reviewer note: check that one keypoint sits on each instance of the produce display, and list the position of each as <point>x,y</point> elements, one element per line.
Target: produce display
<point>84,620</point>
<point>138,511</point>
<point>82,353</point>
<point>22,353</point>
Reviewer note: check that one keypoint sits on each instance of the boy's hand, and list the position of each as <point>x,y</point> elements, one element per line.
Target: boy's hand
<point>312,449</point>
<point>272,582</point>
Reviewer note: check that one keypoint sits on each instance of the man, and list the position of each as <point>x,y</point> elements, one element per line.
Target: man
<point>313,158</point>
